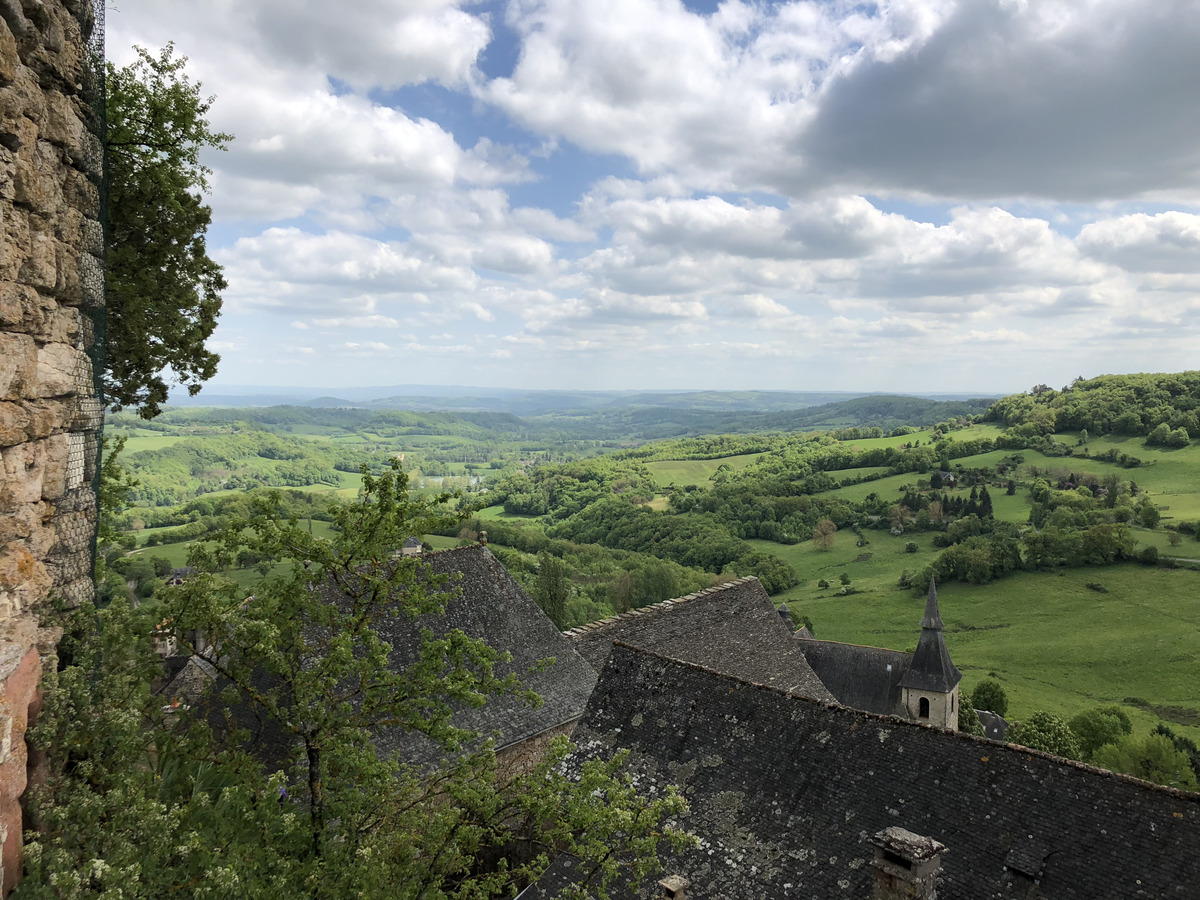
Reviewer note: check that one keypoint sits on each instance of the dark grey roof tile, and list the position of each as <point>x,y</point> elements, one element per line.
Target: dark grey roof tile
<point>786,794</point>
<point>733,628</point>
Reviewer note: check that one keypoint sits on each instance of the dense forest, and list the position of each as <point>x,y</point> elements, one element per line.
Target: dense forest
<point>1160,407</point>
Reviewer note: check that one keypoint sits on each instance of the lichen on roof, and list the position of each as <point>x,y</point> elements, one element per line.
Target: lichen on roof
<point>786,794</point>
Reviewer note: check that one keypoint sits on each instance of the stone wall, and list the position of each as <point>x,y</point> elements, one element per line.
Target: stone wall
<point>51,287</point>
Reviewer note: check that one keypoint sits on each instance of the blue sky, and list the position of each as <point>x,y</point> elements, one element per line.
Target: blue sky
<point>920,195</point>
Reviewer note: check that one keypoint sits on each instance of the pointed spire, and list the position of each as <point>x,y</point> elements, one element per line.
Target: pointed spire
<point>933,616</point>
<point>932,669</point>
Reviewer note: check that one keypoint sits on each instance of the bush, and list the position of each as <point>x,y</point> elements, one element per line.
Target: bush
<point>989,695</point>
<point>968,720</point>
<point>911,547</point>
<point>1100,726</point>
<point>1046,732</point>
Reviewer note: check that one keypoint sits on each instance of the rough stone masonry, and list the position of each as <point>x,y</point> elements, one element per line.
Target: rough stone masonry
<point>51,285</point>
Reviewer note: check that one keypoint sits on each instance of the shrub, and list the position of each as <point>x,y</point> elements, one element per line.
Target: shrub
<point>1100,726</point>
<point>968,720</point>
<point>1047,732</point>
<point>990,695</point>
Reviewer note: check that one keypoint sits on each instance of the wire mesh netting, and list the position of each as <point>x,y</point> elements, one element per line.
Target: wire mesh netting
<point>79,509</point>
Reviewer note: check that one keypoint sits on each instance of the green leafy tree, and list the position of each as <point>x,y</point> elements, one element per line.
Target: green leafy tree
<point>985,504</point>
<point>656,583</point>
<point>989,695</point>
<point>1153,757</point>
<point>163,290</point>
<point>1044,731</point>
<point>151,802</point>
<point>822,534</point>
<point>968,720</point>
<point>552,588</point>
<point>1100,726</point>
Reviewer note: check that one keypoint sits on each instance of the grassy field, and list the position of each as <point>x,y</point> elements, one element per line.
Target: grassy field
<point>1168,475</point>
<point>1053,642</point>
<point>695,471</point>
<point>497,512</point>
<point>139,439</point>
<point>876,566</point>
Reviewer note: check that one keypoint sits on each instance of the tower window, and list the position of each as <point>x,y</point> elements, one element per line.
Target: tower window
<point>924,708</point>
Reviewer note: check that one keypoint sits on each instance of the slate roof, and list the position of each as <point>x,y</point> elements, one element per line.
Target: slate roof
<point>786,794</point>
<point>994,726</point>
<point>201,692</point>
<point>866,678</point>
<point>491,605</point>
<point>931,668</point>
<point>732,628</point>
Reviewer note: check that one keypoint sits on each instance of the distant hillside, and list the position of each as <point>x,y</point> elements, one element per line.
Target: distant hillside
<point>1163,406</point>
<point>882,411</point>
<point>430,398</point>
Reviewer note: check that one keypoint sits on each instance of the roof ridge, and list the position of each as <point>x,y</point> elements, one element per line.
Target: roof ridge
<point>859,646</point>
<point>1191,796</point>
<point>445,551</point>
<point>655,608</point>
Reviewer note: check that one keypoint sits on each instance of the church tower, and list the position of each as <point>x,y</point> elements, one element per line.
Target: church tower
<point>929,690</point>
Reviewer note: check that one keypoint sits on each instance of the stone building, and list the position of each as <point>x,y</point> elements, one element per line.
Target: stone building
<point>794,798</point>
<point>488,604</point>
<point>51,296</point>
<point>922,686</point>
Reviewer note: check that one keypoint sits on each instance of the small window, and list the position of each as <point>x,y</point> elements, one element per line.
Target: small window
<point>924,708</point>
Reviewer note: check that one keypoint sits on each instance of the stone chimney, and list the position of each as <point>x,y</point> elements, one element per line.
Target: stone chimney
<point>674,887</point>
<point>483,538</point>
<point>907,865</point>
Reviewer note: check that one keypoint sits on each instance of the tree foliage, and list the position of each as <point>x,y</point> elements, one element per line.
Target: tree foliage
<point>1111,404</point>
<point>1097,727</point>
<point>989,695</point>
<point>1153,757</point>
<point>968,720</point>
<point>552,589</point>
<point>162,288</point>
<point>822,534</point>
<point>152,803</point>
<point>1048,732</point>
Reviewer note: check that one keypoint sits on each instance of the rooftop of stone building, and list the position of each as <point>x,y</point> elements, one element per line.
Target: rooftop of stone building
<point>490,605</point>
<point>931,668</point>
<point>732,628</point>
<point>865,678</point>
<point>487,603</point>
<point>787,793</point>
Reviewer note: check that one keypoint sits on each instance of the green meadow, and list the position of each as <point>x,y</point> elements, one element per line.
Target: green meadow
<point>695,471</point>
<point>1055,643</point>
